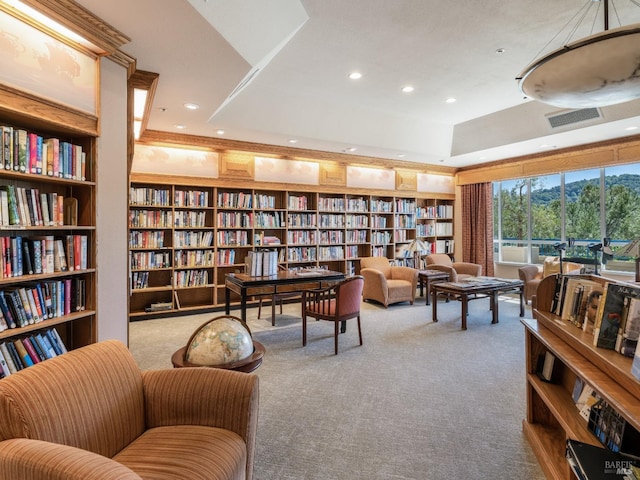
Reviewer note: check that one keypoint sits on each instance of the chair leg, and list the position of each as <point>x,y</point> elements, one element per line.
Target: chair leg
<point>304,329</point>
<point>273,311</point>
<point>359,330</point>
<point>259,307</point>
<point>335,335</point>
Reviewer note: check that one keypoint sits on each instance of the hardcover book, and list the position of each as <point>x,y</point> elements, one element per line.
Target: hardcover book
<point>606,335</point>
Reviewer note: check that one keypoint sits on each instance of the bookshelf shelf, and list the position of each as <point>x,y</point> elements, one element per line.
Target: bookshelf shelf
<point>552,416</point>
<point>307,228</point>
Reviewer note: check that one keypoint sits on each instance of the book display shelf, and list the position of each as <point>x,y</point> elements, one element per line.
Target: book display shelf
<point>181,253</point>
<point>553,416</point>
<point>47,233</point>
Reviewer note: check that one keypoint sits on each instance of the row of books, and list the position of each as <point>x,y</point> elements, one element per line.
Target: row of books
<point>27,207</point>
<point>158,197</point>
<point>31,304</point>
<point>28,152</point>
<point>262,263</point>
<point>38,255</point>
<point>24,352</point>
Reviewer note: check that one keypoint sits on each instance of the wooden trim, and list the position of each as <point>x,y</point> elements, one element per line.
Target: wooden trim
<point>236,165</point>
<point>333,174</point>
<point>40,113</point>
<point>145,81</point>
<point>594,155</point>
<point>221,145</point>
<point>83,22</point>
<point>406,180</point>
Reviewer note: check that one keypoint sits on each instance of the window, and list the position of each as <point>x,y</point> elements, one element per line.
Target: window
<point>581,208</point>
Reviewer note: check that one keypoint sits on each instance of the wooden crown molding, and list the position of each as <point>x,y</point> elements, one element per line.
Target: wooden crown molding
<point>83,22</point>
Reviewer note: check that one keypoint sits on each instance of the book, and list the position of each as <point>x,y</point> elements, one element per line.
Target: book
<point>7,147</point>
<point>15,356</point>
<point>28,346</point>
<point>8,315</point>
<point>4,367</point>
<point>635,365</point>
<point>591,462</point>
<point>25,358</point>
<point>611,316</point>
<point>628,338</point>
<point>8,358</point>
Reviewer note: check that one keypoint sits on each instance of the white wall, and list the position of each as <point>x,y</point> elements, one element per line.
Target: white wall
<point>112,195</point>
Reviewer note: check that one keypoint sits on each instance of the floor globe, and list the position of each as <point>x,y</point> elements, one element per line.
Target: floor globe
<point>220,341</point>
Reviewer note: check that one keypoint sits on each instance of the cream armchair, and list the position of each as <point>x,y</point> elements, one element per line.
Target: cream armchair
<point>387,284</point>
<point>92,414</point>
<point>457,270</point>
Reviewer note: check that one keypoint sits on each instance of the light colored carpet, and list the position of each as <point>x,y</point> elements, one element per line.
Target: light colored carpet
<point>419,400</point>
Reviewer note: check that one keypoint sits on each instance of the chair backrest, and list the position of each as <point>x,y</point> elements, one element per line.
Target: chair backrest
<point>528,272</point>
<point>378,263</point>
<point>438,259</point>
<point>349,296</point>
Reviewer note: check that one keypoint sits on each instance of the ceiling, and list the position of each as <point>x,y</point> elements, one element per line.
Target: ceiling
<point>294,58</point>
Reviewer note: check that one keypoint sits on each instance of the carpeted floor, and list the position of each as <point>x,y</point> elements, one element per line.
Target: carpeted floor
<point>419,400</point>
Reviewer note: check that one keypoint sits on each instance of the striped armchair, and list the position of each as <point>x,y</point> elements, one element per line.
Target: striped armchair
<point>93,414</point>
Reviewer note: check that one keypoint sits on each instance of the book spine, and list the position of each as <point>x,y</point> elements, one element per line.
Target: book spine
<point>31,351</point>
<point>17,361</point>
<point>8,358</point>
<point>46,345</point>
<point>4,367</point>
<point>6,312</point>
<point>26,359</point>
<point>38,348</point>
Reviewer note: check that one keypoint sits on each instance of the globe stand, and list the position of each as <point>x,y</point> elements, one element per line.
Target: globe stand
<point>247,365</point>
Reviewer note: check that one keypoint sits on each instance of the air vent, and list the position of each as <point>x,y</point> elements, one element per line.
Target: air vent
<point>569,117</point>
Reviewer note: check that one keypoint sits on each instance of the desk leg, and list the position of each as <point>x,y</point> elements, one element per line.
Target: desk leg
<point>521,301</point>
<point>227,301</point>
<point>494,306</point>
<point>434,311</point>
<point>464,299</point>
<point>243,305</point>
<point>420,282</point>
<point>428,285</point>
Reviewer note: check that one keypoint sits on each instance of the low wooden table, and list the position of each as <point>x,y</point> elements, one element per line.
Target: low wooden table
<point>476,288</point>
<point>429,277</point>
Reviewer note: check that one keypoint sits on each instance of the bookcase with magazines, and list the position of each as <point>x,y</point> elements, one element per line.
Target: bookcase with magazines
<point>47,234</point>
<point>577,387</point>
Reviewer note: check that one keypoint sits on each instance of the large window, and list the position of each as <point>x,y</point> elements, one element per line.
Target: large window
<point>581,208</point>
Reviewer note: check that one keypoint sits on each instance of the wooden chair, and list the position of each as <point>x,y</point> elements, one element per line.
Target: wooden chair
<point>277,298</point>
<point>337,303</point>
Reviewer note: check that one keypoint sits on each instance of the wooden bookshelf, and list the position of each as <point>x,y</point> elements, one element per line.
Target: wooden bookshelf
<point>552,416</point>
<point>306,228</point>
<point>77,325</point>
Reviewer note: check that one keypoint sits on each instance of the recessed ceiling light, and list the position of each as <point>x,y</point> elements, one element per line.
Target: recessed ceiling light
<point>352,149</point>
<point>500,51</point>
<point>450,100</point>
<point>220,132</point>
<point>401,155</point>
<point>631,128</point>
<point>408,89</point>
<point>293,140</point>
<point>355,75</point>
<point>180,126</point>
<point>191,106</point>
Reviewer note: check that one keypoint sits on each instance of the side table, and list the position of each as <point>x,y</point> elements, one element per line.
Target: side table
<point>428,278</point>
<point>247,365</point>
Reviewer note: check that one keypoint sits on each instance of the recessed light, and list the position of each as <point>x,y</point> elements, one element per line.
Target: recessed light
<point>401,155</point>
<point>293,140</point>
<point>408,89</point>
<point>450,100</point>
<point>180,126</point>
<point>355,75</point>
<point>191,106</point>
<point>352,149</point>
<point>500,51</point>
<point>220,132</point>
<point>631,128</point>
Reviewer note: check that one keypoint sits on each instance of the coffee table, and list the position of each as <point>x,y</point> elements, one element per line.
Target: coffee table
<point>429,277</point>
<point>476,288</point>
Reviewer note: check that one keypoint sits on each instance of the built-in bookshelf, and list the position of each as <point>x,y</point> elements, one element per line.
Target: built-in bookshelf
<point>47,238</point>
<point>305,229</point>
<point>561,361</point>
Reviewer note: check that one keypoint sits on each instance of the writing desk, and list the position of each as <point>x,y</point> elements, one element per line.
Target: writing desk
<point>285,281</point>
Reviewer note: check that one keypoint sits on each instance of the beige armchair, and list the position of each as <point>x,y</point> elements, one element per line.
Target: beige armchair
<point>92,414</point>
<point>387,284</point>
<point>457,270</point>
<point>531,275</point>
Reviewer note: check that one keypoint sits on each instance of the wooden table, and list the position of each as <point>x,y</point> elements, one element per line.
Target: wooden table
<point>478,287</point>
<point>429,277</point>
<point>285,281</point>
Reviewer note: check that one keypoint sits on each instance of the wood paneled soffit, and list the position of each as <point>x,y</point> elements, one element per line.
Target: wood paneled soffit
<point>221,145</point>
<point>83,22</point>
<point>595,155</point>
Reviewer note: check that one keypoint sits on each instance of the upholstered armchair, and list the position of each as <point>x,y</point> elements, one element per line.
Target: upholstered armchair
<point>336,303</point>
<point>531,275</point>
<point>457,270</point>
<point>92,414</point>
<point>386,283</point>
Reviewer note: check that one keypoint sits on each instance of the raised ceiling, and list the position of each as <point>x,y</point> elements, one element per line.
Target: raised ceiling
<point>272,71</point>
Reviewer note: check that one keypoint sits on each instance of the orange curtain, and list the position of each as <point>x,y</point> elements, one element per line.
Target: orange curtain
<point>477,225</point>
